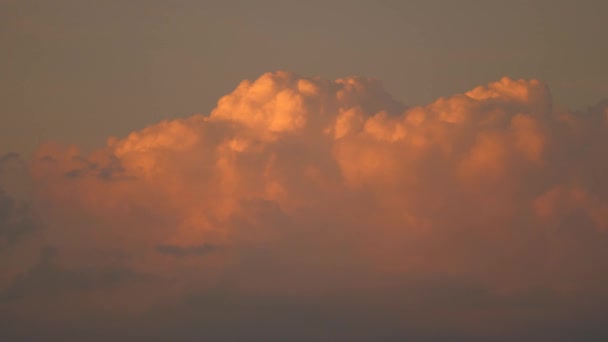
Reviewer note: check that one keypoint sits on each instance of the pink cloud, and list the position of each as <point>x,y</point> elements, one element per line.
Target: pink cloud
<point>309,187</point>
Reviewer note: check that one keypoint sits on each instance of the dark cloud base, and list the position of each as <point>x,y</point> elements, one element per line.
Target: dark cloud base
<point>226,316</point>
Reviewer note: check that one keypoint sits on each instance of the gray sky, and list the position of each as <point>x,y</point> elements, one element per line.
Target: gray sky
<point>79,71</point>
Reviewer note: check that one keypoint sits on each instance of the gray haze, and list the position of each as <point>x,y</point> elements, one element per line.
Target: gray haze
<point>81,70</point>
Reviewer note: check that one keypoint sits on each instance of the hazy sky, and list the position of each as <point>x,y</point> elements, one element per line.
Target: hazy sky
<point>303,171</point>
<point>78,71</point>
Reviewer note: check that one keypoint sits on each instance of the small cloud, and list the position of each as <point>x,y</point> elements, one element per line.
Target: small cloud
<point>16,219</point>
<point>73,174</point>
<point>114,173</point>
<point>186,251</point>
<point>8,157</point>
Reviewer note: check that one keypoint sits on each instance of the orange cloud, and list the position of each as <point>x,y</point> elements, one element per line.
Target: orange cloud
<point>307,187</point>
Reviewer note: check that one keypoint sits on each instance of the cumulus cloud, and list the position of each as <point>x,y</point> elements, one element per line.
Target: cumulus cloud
<point>487,211</point>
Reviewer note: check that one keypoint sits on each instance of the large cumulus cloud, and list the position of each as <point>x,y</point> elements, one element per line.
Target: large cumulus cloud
<point>486,211</point>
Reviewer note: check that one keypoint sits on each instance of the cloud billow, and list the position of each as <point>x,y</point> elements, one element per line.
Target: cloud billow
<point>477,209</point>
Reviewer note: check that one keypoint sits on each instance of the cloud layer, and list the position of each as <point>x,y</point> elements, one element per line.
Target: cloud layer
<point>327,210</point>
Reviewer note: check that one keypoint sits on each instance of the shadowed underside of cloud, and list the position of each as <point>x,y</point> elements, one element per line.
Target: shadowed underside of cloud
<point>16,219</point>
<point>178,251</point>
<point>308,209</point>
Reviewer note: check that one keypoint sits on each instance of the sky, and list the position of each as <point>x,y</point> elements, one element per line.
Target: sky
<point>82,70</point>
<point>303,171</point>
